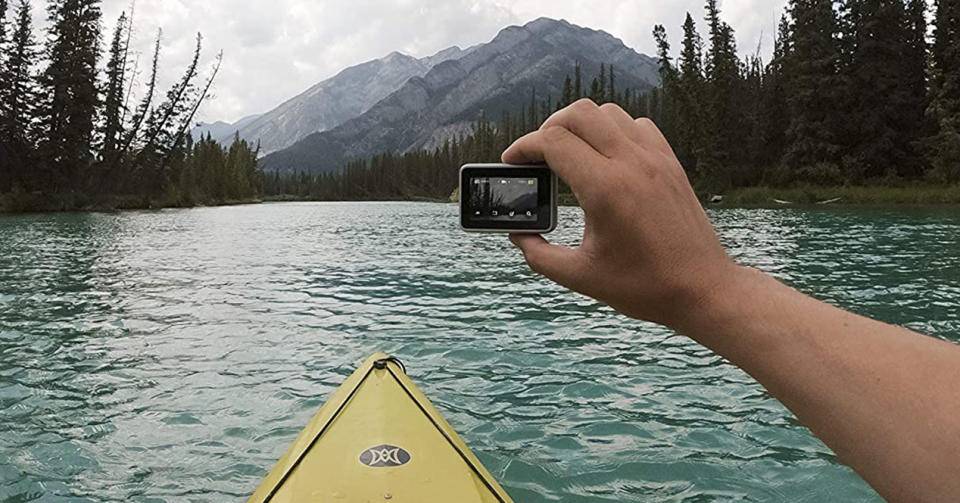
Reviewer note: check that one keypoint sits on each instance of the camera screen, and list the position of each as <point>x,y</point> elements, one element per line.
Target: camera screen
<point>502,199</point>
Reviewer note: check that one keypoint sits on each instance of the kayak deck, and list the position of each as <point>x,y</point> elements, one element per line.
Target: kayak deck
<point>378,438</point>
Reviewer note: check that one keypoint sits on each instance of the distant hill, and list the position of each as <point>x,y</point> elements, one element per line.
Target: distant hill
<point>335,100</point>
<point>220,130</point>
<point>485,80</point>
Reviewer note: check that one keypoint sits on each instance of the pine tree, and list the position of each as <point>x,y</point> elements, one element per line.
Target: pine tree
<point>689,100</point>
<point>881,91</point>
<point>944,146</point>
<point>70,94</point>
<point>595,92</point>
<point>6,157</point>
<point>577,85</point>
<point>774,115</point>
<point>814,92</point>
<point>601,92</point>
<point>113,102</point>
<point>566,96</point>
<point>3,43</point>
<point>661,107</point>
<point>17,100</point>
<point>612,86</point>
<point>723,121</point>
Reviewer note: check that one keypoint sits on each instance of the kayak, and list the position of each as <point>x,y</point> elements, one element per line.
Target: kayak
<point>378,439</point>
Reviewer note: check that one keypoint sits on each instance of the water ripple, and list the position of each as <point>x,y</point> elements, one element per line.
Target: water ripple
<point>174,355</point>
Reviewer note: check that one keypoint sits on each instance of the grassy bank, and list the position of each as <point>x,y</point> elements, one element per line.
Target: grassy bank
<point>919,194</point>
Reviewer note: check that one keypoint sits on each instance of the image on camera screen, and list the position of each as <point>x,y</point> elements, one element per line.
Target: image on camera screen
<point>503,199</point>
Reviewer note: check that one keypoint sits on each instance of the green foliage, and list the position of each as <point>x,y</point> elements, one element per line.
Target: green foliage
<point>943,147</point>
<point>17,96</point>
<point>71,141</point>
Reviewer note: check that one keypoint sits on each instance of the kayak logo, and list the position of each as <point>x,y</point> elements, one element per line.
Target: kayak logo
<point>384,456</point>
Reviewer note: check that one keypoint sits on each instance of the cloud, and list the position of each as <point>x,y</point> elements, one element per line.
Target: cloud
<point>275,49</point>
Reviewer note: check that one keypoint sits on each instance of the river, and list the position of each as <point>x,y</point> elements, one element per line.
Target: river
<point>173,355</point>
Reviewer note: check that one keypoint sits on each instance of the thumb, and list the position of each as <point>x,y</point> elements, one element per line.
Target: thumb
<point>558,263</point>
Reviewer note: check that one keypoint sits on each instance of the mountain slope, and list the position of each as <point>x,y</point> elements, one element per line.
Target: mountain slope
<point>491,78</point>
<point>342,97</point>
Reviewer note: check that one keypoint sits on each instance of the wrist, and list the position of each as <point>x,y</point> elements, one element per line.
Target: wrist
<point>726,302</point>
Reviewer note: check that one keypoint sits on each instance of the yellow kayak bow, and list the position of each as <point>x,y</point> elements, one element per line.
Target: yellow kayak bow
<point>378,439</point>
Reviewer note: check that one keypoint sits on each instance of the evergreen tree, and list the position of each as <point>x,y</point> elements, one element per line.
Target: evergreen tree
<point>577,86</point>
<point>566,96</point>
<point>917,98</point>
<point>19,96</point>
<point>612,86</point>
<point>113,102</point>
<point>814,92</point>
<point>944,145</point>
<point>3,42</point>
<point>6,157</point>
<point>690,134</point>
<point>882,92</point>
<point>723,121</point>
<point>70,94</point>
<point>774,116</point>
<point>660,110</point>
<point>601,94</point>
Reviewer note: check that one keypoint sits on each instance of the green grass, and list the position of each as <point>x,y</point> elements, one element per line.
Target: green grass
<point>914,194</point>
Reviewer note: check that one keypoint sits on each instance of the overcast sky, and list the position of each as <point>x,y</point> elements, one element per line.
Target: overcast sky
<point>275,49</point>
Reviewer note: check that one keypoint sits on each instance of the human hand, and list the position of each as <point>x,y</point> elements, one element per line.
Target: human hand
<point>648,249</point>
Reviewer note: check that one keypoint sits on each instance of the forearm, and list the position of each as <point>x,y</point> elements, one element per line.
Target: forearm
<point>882,397</point>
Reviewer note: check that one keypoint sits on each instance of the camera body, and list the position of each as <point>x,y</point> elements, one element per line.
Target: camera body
<point>517,199</point>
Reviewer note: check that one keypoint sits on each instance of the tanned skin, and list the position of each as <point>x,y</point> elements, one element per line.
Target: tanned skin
<point>885,399</point>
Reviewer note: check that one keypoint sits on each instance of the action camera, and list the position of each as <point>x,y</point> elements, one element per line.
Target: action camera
<point>519,199</point>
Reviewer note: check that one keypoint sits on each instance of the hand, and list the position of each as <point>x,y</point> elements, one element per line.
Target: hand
<point>648,249</point>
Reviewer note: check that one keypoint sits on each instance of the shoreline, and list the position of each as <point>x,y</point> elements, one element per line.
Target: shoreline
<point>839,196</point>
<point>807,197</point>
<point>116,206</point>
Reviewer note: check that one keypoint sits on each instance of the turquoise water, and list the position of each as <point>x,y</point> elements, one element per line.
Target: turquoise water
<point>174,355</point>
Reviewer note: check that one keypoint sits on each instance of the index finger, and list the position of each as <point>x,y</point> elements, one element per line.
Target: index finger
<point>571,158</point>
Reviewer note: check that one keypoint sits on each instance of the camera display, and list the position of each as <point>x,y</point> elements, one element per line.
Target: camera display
<point>504,199</point>
<point>507,198</point>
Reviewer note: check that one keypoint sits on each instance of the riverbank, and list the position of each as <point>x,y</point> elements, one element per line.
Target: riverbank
<point>19,202</point>
<point>919,194</point>
<point>745,197</point>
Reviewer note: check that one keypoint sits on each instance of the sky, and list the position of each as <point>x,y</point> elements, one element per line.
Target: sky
<point>276,49</point>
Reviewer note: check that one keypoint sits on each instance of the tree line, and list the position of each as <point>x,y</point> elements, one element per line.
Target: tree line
<point>432,174</point>
<point>80,127</point>
<point>856,92</point>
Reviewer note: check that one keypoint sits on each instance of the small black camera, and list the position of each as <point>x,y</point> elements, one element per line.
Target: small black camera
<point>508,198</point>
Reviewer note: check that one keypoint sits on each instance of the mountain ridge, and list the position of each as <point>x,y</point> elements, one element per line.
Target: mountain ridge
<point>329,103</point>
<point>493,77</point>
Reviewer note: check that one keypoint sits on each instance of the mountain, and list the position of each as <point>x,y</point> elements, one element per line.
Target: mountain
<point>220,130</point>
<point>335,100</point>
<point>489,79</point>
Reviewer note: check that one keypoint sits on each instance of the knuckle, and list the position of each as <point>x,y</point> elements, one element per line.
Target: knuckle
<point>555,133</point>
<point>646,122</point>
<point>613,107</point>
<point>583,104</point>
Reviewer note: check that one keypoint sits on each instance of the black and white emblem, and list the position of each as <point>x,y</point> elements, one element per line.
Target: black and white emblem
<point>384,456</point>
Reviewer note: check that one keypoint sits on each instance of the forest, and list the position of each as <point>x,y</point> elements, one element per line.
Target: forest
<point>77,132</point>
<point>856,93</point>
